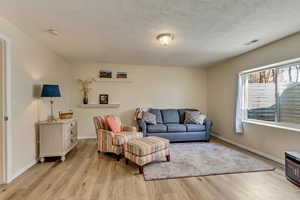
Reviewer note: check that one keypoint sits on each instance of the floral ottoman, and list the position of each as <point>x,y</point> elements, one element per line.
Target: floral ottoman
<point>142,151</point>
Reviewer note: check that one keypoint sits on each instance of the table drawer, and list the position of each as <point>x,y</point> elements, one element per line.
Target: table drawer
<point>70,135</point>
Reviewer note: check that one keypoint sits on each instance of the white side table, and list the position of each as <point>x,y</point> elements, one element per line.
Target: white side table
<point>57,138</point>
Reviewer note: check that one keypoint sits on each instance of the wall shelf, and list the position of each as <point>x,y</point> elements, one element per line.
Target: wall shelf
<point>111,105</point>
<point>113,80</point>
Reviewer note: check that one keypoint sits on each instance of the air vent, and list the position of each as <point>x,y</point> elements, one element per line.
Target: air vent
<point>53,32</point>
<point>251,42</point>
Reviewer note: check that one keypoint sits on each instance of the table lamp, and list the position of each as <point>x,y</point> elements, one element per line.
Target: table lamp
<point>51,91</point>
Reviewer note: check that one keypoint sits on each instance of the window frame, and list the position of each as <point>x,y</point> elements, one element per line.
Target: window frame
<point>275,124</point>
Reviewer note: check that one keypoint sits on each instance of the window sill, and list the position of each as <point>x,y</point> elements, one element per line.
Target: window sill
<point>285,126</point>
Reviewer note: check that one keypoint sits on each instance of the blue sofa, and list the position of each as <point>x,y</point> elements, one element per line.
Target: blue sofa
<point>170,125</point>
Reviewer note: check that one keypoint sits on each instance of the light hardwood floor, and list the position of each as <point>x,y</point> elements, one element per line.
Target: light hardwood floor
<point>87,175</point>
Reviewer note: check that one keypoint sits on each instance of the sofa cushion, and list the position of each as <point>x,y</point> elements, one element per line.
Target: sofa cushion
<point>176,127</point>
<point>158,128</point>
<point>157,113</point>
<point>182,113</point>
<point>170,116</point>
<point>195,127</point>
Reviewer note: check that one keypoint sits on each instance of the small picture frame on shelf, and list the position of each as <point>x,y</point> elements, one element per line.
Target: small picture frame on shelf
<point>121,75</point>
<point>103,98</point>
<point>105,74</point>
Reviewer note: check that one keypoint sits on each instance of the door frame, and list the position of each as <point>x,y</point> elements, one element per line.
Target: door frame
<point>7,101</point>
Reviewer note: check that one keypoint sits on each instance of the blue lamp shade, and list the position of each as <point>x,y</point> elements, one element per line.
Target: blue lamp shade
<point>50,91</point>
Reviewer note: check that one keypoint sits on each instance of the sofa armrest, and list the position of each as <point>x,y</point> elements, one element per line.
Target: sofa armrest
<point>208,124</point>
<point>107,136</point>
<point>129,128</point>
<point>142,127</point>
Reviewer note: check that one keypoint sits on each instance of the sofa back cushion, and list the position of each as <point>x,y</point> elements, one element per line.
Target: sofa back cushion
<point>182,113</point>
<point>170,116</point>
<point>101,122</point>
<point>157,113</point>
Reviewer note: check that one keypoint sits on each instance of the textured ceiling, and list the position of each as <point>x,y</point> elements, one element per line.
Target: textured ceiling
<point>124,31</point>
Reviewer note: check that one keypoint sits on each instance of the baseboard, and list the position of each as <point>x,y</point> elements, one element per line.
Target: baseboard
<point>251,150</point>
<point>21,171</point>
<point>86,137</point>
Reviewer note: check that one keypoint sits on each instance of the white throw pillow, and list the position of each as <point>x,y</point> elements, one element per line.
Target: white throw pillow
<point>194,117</point>
<point>149,118</point>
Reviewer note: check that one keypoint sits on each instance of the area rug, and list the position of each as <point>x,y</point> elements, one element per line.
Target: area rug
<point>203,159</point>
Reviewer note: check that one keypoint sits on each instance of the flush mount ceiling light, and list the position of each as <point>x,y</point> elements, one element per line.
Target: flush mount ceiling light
<point>52,31</point>
<point>165,38</point>
<point>251,42</point>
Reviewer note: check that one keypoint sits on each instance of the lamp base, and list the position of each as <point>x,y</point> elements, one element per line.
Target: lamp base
<point>52,119</point>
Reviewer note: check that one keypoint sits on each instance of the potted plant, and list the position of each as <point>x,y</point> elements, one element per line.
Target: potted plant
<point>85,89</point>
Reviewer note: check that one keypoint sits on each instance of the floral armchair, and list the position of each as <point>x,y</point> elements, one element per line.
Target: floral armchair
<point>111,142</point>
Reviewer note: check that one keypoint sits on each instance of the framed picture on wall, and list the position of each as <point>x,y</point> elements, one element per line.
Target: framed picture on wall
<point>121,75</point>
<point>103,98</point>
<point>105,74</point>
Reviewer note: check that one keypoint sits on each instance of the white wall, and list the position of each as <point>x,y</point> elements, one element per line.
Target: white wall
<point>151,86</point>
<point>32,65</point>
<point>221,84</point>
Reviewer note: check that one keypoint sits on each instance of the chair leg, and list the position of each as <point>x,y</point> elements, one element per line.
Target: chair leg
<point>141,169</point>
<point>126,161</point>
<point>168,158</point>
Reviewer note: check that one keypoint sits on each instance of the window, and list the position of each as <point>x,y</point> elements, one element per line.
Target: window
<point>272,94</point>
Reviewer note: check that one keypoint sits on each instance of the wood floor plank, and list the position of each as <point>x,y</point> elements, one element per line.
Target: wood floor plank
<point>88,175</point>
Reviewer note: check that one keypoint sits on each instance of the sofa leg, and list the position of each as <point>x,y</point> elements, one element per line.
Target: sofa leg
<point>141,169</point>
<point>168,158</point>
<point>119,157</point>
<point>126,161</point>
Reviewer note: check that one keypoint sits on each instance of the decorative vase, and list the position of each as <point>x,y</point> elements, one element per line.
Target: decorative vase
<point>85,100</point>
